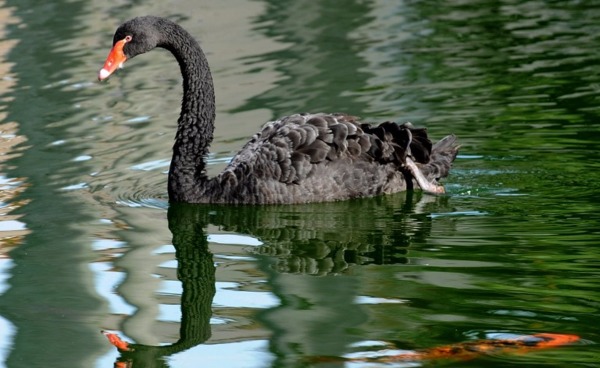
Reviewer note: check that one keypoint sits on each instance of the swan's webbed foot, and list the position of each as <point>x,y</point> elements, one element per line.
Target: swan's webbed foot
<point>427,186</point>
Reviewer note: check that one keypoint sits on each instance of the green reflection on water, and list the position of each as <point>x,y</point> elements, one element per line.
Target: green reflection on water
<point>51,300</point>
<point>514,247</point>
<point>323,64</point>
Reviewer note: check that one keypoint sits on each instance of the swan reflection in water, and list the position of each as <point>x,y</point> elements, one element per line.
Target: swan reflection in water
<point>314,239</point>
<point>319,240</point>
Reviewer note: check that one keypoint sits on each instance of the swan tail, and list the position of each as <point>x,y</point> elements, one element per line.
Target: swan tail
<point>443,154</point>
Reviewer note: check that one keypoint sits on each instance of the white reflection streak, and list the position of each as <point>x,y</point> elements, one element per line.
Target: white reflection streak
<point>234,239</point>
<point>7,329</point>
<point>106,282</point>
<point>7,332</point>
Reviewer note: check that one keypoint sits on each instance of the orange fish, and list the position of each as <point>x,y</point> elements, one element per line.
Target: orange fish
<point>471,349</point>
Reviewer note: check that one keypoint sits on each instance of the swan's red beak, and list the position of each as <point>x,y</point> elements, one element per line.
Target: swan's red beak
<point>116,58</point>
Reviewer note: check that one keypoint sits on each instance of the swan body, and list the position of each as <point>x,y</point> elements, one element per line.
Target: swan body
<point>299,158</point>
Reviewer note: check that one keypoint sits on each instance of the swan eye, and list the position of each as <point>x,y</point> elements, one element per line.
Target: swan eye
<point>127,38</point>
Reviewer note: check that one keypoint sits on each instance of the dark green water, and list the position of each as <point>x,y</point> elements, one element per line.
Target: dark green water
<point>87,235</point>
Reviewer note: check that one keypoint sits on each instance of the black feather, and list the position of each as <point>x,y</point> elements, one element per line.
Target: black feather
<point>297,159</point>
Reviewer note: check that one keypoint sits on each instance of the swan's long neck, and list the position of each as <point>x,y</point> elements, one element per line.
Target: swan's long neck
<point>187,174</point>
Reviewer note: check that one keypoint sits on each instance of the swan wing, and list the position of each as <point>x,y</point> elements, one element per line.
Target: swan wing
<point>290,149</point>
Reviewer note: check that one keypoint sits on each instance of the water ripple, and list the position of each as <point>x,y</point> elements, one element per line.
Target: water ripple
<point>143,201</point>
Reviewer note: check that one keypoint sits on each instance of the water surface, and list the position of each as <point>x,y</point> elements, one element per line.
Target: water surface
<point>89,242</point>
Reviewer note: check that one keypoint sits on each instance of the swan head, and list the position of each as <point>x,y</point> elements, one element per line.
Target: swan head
<point>134,37</point>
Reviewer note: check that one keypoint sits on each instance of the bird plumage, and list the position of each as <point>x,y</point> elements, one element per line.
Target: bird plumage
<point>300,158</point>
<point>306,158</point>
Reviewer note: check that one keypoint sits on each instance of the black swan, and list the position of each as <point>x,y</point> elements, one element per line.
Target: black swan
<point>297,159</point>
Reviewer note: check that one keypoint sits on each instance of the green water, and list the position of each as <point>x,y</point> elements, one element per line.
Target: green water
<point>87,234</point>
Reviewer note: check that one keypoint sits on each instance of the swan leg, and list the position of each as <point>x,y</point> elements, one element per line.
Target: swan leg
<point>426,185</point>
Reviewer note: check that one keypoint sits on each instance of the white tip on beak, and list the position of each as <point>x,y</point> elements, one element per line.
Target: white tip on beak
<point>103,74</point>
